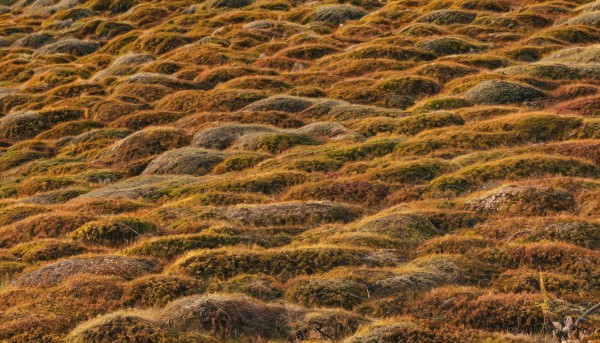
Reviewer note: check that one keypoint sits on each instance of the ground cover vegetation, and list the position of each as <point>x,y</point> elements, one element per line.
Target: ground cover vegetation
<point>299,171</point>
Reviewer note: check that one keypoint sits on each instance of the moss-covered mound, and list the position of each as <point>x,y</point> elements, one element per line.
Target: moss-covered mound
<point>502,92</point>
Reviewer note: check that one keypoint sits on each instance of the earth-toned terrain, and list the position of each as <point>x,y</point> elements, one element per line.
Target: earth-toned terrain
<point>289,170</point>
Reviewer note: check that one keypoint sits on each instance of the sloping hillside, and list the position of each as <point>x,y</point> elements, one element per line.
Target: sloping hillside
<point>292,170</point>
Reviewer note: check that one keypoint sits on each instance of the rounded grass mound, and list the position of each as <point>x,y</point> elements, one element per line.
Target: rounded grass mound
<point>229,317</point>
<point>125,327</point>
<point>450,46</point>
<point>112,232</point>
<point>47,249</point>
<point>145,143</point>
<point>187,161</point>
<point>230,3</point>
<point>282,263</point>
<point>524,200</point>
<point>408,330</point>
<point>338,14</point>
<point>448,17</point>
<point>498,92</point>
<point>223,136</point>
<point>288,104</point>
<point>158,290</point>
<point>261,287</point>
<point>294,213</point>
<point>70,46</point>
<point>326,292</point>
<point>19,126</point>
<point>174,245</point>
<point>52,274</point>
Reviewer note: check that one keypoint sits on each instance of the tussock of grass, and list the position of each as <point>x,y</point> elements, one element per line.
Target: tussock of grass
<point>514,168</point>
<point>294,213</point>
<point>70,46</point>
<point>113,232</point>
<point>52,274</point>
<point>358,192</point>
<point>187,160</point>
<point>145,143</point>
<point>326,292</point>
<point>447,17</point>
<point>399,330</point>
<point>524,200</point>
<point>172,246</point>
<point>158,290</point>
<point>520,312</point>
<point>224,264</point>
<point>338,14</point>
<point>24,125</point>
<point>123,326</point>
<point>502,92</point>
<point>229,317</point>
<point>48,249</point>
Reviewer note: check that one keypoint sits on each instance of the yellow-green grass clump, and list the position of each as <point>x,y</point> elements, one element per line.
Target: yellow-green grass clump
<point>112,232</point>
<point>226,263</point>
